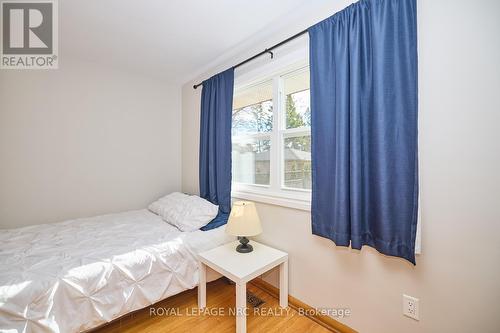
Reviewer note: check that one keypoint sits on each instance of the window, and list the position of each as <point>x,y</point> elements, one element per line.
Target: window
<point>271,139</point>
<point>296,141</point>
<point>252,127</point>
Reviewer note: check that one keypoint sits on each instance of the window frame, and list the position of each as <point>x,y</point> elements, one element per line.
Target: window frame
<point>276,192</point>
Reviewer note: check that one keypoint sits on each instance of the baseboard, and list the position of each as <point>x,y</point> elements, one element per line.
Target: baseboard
<point>323,320</point>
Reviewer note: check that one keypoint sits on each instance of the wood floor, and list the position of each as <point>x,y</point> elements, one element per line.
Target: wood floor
<point>179,313</point>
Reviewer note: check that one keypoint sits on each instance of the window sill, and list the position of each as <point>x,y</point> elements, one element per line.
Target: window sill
<point>274,199</point>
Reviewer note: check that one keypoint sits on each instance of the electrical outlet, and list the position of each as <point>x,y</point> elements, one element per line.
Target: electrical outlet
<point>410,307</point>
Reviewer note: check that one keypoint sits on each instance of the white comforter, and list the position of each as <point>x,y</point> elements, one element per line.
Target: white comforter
<point>75,275</point>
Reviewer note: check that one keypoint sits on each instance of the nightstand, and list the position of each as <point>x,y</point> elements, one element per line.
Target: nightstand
<point>241,268</point>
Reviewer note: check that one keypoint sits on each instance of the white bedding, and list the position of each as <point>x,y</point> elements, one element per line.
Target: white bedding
<point>78,274</point>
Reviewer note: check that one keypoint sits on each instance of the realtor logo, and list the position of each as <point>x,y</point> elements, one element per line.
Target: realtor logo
<point>29,34</point>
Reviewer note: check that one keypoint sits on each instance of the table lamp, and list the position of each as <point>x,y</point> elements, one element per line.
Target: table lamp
<point>243,221</point>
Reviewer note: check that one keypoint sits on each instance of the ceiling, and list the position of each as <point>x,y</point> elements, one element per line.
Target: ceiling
<point>169,39</point>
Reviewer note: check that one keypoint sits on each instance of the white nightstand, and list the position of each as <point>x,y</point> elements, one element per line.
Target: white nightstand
<point>241,268</point>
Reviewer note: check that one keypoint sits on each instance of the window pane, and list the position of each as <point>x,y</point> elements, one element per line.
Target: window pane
<point>297,151</point>
<point>253,109</point>
<point>251,161</point>
<point>298,111</point>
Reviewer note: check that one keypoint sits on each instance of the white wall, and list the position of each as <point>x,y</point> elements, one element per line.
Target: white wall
<point>84,140</point>
<point>457,274</point>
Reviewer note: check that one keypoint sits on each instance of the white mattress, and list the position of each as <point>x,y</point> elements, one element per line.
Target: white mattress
<point>78,274</point>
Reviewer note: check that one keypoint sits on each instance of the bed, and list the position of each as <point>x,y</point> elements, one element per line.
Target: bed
<point>78,274</point>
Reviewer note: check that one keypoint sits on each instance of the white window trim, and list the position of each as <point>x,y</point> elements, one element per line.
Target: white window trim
<point>275,193</point>
<point>273,199</point>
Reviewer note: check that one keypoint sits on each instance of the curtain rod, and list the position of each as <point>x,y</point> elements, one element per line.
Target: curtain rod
<point>268,50</point>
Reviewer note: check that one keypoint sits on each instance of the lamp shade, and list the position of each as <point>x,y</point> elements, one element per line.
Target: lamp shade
<point>243,220</point>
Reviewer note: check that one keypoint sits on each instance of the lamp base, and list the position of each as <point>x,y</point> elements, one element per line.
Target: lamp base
<point>244,247</point>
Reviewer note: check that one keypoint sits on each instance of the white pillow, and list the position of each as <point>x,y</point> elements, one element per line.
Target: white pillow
<point>186,212</point>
